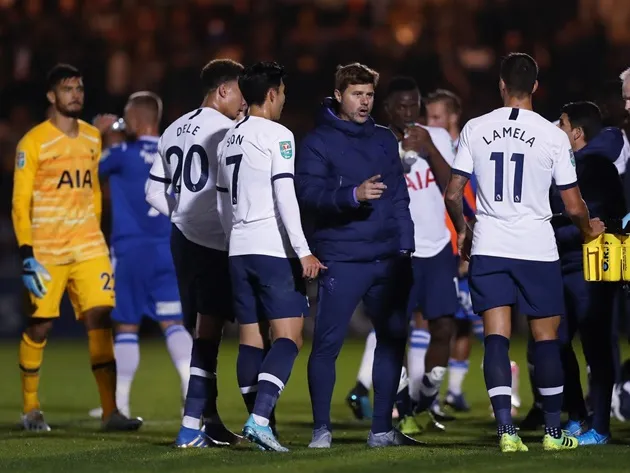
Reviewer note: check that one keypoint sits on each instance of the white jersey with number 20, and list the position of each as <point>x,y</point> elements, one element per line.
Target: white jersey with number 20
<point>256,167</point>
<point>515,154</point>
<point>189,148</point>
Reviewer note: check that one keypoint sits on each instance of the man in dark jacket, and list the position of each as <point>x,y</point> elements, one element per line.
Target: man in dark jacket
<point>353,194</point>
<point>589,305</point>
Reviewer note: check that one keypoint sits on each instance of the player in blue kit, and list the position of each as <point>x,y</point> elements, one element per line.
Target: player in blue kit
<point>143,266</point>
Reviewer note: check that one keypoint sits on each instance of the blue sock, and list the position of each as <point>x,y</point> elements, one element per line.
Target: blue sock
<point>498,375</point>
<point>549,377</point>
<point>201,399</point>
<point>274,374</point>
<point>248,365</point>
<point>389,355</point>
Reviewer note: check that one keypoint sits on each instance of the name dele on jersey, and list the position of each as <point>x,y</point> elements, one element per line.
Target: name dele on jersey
<point>509,132</point>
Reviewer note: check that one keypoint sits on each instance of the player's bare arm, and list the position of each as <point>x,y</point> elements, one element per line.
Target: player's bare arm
<point>578,212</point>
<point>454,201</point>
<point>419,140</point>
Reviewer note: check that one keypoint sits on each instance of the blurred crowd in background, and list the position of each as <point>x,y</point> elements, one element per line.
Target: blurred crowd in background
<point>123,46</point>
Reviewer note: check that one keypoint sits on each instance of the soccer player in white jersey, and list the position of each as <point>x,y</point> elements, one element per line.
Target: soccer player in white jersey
<point>182,185</point>
<point>515,154</point>
<point>426,153</point>
<point>444,110</point>
<point>269,255</point>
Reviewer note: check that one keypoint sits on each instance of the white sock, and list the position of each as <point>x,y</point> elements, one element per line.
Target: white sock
<point>433,381</point>
<point>418,345</point>
<point>179,344</point>
<point>457,371</point>
<point>260,420</point>
<point>127,356</point>
<point>365,370</point>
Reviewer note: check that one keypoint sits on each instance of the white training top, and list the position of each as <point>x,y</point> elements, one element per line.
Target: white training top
<point>259,209</point>
<point>426,202</point>
<point>515,154</point>
<point>187,170</point>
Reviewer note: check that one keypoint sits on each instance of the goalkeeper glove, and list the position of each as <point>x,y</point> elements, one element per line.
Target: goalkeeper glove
<point>34,274</point>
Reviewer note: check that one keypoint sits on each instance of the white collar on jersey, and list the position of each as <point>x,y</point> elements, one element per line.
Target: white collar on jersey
<point>155,139</point>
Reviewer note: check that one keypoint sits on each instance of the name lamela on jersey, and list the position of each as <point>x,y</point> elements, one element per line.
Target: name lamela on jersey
<point>510,132</point>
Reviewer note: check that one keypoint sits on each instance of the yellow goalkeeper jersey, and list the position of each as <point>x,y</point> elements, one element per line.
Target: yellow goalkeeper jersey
<point>56,194</point>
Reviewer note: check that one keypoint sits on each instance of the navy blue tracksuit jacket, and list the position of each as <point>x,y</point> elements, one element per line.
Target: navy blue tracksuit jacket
<point>361,245</point>
<point>590,305</point>
<point>334,159</point>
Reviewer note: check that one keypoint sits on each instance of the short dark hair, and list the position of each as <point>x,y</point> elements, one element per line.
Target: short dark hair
<point>584,115</point>
<point>401,84</point>
<point>258,79</point>
<point>451,100</point>
<point>149,101</point>
<point>519,71</point>
<point>59,73</point>
<point>218,72</point>
<point>355,74</point>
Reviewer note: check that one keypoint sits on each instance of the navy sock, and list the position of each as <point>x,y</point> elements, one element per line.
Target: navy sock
<point>497,373</point>
<point>403,403</point>
<point>530,371</point>
<point>549,380</point>
<point>274,374</point>
<point>388,361</point>
<point>248,365</point>
<point>201,398</point>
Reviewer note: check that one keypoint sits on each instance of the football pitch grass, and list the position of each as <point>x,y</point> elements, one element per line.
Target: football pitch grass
<point>75,444</point>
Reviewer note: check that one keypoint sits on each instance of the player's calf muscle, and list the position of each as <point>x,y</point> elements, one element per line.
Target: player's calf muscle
<point>38,329</point>
<point>290,328</point>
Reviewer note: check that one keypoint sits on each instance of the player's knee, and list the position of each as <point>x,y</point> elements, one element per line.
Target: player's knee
<point>463,328</point>
<point>290,328</point>
<point>97,318</point>
<point>419,322</point>
<point>126,328</point>
<point>252,335</point>
<point>165,324</point>
<point>442,329</point>
<point>38,329</point>
<point>209,327</point>
<point>545,329</point>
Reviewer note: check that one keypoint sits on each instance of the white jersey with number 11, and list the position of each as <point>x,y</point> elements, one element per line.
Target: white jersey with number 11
<point>515,154</point>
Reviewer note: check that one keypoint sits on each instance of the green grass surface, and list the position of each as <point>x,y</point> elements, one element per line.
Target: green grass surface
<point>76,445</point>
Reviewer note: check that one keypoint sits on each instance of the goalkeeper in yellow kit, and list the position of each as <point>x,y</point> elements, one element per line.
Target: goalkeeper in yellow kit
<point>56,217</point>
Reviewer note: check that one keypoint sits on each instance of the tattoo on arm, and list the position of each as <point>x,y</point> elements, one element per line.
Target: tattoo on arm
<point>454,200</point>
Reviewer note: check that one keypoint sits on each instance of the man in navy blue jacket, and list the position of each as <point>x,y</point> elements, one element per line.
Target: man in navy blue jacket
<point>352,191</point>
<point>589,305</point>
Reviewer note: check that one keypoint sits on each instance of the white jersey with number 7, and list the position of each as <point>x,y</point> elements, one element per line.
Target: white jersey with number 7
<point>515,154</point>
<point>256,167</point>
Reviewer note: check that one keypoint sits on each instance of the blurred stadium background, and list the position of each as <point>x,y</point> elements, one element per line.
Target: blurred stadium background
<point>127,45</point>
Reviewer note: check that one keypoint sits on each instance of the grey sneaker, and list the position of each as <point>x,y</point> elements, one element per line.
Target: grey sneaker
<point>393,438</point>
<point>33,421</point>
<point>118,422</point>
<point>322,438</point>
